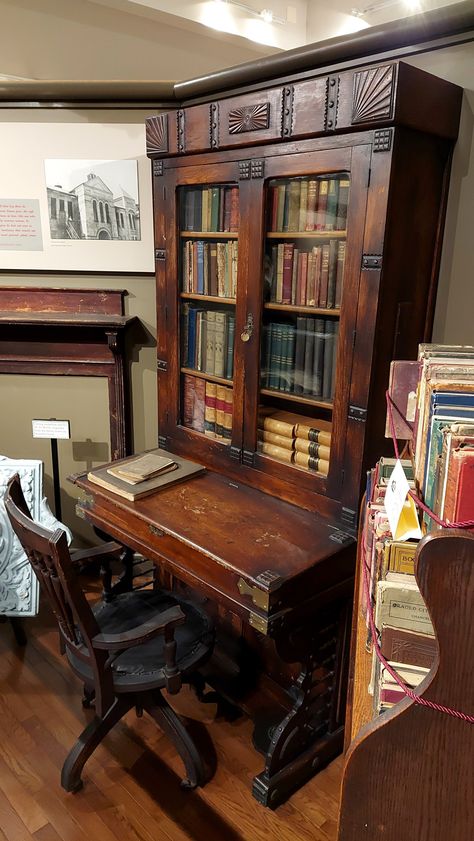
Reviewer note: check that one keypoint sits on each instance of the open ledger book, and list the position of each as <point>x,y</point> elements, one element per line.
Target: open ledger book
<point>138,476</point>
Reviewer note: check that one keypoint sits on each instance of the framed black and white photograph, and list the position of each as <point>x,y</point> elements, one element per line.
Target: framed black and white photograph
<point>76,197</point>
<point>93,199</point>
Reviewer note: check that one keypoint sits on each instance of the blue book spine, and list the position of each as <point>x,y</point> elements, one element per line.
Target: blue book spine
<point>191,338</point>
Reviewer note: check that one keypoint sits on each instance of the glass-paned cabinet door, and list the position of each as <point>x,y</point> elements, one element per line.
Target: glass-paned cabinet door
<point>305,247</point>
<point>208,265</point>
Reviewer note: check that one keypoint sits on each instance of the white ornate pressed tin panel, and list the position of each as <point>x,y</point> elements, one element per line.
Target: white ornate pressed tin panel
<point>19,589</point>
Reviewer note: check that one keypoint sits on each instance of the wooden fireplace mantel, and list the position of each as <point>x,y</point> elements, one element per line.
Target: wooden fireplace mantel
<point>70,332</point>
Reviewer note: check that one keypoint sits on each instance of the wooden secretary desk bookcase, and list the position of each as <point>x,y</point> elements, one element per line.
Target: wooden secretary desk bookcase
<point>297,232</point>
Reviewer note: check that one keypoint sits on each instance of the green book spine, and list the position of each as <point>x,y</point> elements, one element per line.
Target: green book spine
<point>308,357</point>
<point>215,192</point>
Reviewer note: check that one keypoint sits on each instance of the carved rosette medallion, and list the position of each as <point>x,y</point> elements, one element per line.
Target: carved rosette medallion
<point>157,134</point>
<point>249,118</point>
<point>372,95</point>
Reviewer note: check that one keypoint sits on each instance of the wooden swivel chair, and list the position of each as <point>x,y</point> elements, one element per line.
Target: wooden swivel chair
<point>125,650</point>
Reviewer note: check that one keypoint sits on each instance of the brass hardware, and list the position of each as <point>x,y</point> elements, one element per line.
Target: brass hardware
<point>83,504</point>
<point>259,623</point>
<point>259,597</point>
<point>248,329</point>
<point>155,530</point>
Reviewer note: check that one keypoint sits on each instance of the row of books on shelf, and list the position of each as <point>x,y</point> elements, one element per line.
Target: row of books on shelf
<point>208,340</point>
<point>307,278</point>
<point>294,439</point>
<point>301,358</point>
<point>309,204</point>
<point>406,635</point>
<point>207,407</point>
<point>210,268</point>
<point>211,209</point>
<point>434,409</point>
<point>436,396</point>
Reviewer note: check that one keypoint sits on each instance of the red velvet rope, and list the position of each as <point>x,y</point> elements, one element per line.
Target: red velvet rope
<point>417,699</point>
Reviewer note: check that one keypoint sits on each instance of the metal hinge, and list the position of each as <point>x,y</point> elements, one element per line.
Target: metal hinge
<point>235,453</point>
<point>160,254</point>
<point>259,597</point>
<point>248,458</point>
<point>258,622</point>
<point>372,261</point>
<point>161,365</point>
<point>349,517</point>
<point>162,442</point>
<point>357,413</point>
<point>341,537</point>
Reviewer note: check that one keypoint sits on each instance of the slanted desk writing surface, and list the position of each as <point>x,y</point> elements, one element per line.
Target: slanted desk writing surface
<point>279,580</point>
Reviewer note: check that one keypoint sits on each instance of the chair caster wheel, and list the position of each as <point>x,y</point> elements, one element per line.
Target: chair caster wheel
<point>73,789</point>
<point>187,784</point>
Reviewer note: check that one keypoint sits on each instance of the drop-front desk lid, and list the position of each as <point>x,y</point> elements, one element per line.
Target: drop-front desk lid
<point>260,555</point>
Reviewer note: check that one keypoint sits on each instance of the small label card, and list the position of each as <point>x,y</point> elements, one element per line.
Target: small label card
<point>51,428</point>
<point>400,508</point>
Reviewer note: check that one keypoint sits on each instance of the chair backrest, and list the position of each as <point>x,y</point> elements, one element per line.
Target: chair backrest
<point>49,556</point>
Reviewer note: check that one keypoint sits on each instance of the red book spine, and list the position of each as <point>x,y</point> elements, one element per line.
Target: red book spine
<point>287,272</point>
<point>304,276</point>
<point>234,208</point>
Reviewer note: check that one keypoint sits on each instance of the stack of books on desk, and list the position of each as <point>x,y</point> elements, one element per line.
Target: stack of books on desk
<point>139,476</point>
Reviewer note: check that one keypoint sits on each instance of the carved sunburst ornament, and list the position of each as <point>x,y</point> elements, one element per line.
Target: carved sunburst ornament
<point>249,118</point>
<point>372,94</point>
<point>157,134</point>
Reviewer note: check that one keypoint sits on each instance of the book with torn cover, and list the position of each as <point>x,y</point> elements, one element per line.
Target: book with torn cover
<point>184,470</point>
<point>142,467</point>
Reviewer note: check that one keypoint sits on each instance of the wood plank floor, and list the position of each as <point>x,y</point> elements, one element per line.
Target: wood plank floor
<point>131,783</point>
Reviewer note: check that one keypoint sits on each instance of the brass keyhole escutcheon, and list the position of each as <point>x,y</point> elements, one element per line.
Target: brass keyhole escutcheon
<point>248,329</point>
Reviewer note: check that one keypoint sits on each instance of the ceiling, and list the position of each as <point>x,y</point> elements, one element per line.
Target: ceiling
<point>169,39</point>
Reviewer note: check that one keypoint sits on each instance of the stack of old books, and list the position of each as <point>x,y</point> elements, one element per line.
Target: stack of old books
<point>433,407</point>
<point>302,441</point>
<point>139,476</point>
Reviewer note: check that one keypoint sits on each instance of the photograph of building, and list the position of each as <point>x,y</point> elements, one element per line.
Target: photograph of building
<point>93,199</point>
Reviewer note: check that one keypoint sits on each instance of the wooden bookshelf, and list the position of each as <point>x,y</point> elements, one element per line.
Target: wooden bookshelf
<point>302,308</point>
<point>306,234</point>
<point>209,234</point>
<point>297,398</point>
<point>213,299</point>
<point>203,376</point>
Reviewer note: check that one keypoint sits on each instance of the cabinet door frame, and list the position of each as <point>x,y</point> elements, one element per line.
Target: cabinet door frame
<point>356,161</point>
<point>172,433</point>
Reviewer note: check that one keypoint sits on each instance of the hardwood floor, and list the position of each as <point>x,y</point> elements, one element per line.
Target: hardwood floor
<point>131,790</point>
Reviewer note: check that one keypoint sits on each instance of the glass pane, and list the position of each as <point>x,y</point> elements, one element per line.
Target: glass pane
<point>302,288</point>
<point>208,287</point>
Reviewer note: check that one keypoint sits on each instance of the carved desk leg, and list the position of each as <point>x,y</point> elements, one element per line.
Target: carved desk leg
<point>312,732</point>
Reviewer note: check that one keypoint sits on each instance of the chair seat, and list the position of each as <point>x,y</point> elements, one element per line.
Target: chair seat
<point>143,666</point>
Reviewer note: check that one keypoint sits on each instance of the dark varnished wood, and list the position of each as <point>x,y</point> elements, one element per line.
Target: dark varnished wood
<point>271,547</point>
<point>70,332</point>
<point>91,651</point>
<point>408,774</point>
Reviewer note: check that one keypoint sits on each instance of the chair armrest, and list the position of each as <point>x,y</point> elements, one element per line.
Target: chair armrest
<point>166,621</point>
<point>106,551</point>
